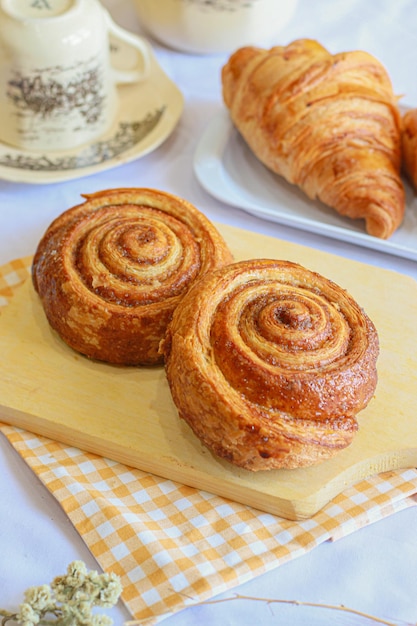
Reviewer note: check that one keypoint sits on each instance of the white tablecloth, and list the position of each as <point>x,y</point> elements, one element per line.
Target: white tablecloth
<point>373,570</point>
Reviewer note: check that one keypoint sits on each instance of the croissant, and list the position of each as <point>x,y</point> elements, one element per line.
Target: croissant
<point>110,271</point>
<point>269,364</point>
<point>409,145</point>
<point>327,123</point>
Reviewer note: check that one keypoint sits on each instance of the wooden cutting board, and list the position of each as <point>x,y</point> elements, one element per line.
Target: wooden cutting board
<point>127,414</point>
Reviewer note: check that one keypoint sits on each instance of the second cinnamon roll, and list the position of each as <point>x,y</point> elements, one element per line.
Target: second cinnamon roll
<point>269,363</point>
<point>111,271</point>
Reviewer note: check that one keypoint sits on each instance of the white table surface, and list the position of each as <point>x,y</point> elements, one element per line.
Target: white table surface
<point>375,569</point>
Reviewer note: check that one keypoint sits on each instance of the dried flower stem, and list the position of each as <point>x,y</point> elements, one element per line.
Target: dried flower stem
<point>340,607</point>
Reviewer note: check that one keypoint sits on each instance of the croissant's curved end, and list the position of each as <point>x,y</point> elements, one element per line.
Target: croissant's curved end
<point>383,223</point>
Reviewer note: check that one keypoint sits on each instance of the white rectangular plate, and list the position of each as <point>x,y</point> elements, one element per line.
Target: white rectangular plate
<point>229,171</point>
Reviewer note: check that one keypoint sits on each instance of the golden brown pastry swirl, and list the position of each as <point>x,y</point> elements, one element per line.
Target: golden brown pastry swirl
<point>327,123</point>
<point>269,363</point>
<point>111,271</point>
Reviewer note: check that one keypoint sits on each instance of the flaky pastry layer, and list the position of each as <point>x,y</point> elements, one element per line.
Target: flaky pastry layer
<point>409,145</point>
<point>111,271</point>
<point>327,123</point>
<point>269,363</point>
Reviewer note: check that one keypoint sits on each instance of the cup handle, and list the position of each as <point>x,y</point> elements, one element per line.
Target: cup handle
<point>129,76</point>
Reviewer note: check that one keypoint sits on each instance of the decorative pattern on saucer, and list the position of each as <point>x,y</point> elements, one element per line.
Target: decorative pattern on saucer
<point>126,136</point>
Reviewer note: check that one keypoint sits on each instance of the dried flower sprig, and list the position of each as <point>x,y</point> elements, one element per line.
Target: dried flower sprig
<point>69,600</point>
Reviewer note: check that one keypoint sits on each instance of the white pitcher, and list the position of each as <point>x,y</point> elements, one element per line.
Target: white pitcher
<point>58,89</point>
<point>215,26</point>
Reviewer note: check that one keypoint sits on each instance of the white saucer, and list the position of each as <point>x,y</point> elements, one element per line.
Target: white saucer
<point>229,171</point>
<point>148,113</point>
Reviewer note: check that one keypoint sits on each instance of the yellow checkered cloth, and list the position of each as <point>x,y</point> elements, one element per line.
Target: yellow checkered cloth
<point>174,545</point>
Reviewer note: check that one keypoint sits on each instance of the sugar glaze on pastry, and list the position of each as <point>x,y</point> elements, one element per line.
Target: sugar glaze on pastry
<point>269,363</point>
<point>327,123</point>
<point>111,271</point>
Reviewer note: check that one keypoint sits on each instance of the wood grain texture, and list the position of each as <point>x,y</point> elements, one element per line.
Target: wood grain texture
<point>127,414</point>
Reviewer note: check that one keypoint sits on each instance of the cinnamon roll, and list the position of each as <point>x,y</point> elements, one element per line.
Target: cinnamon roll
<point>111,271</point>
<point>269,363</point>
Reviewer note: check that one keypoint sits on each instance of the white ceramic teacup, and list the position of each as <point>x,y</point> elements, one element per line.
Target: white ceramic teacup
<point>58,89</point>
<point>203,27</point>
